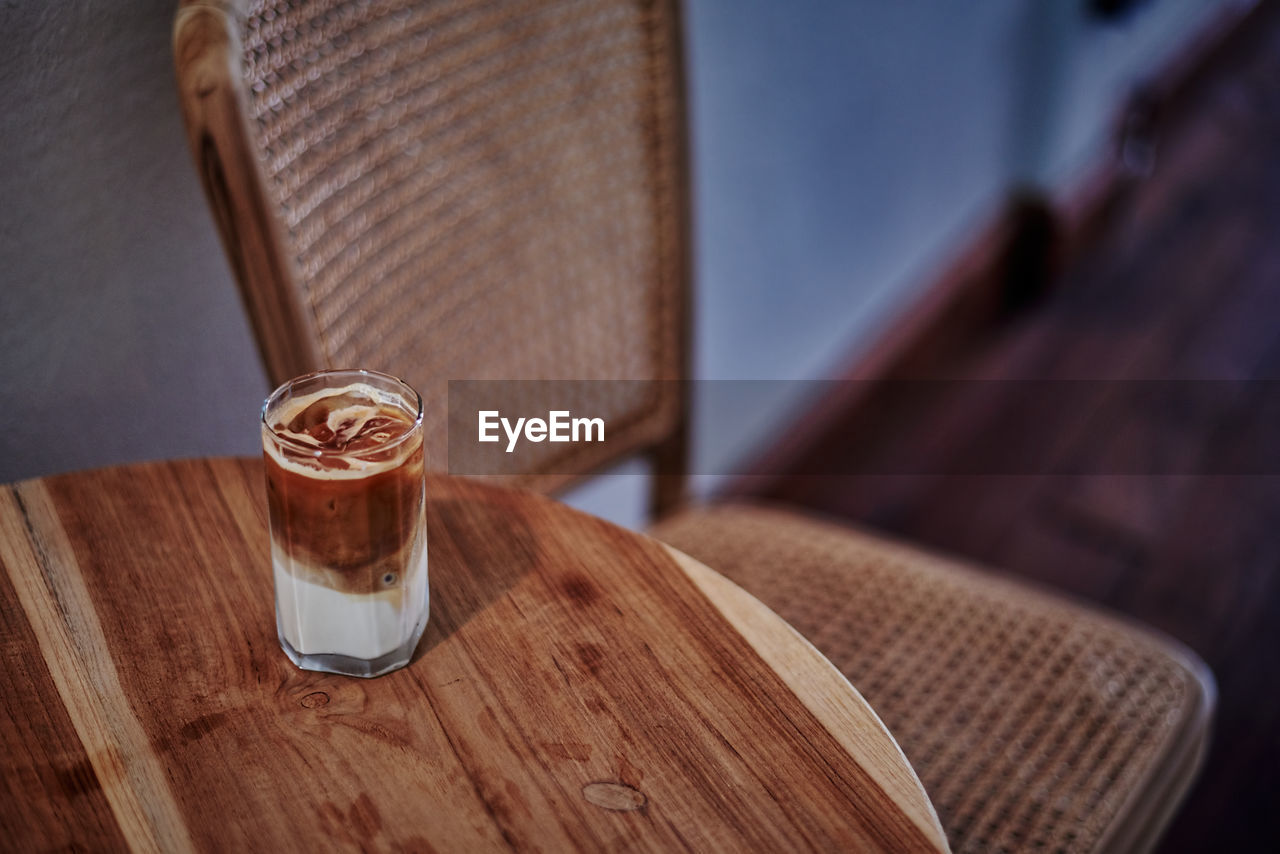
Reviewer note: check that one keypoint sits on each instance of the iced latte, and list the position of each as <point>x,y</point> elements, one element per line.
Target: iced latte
<point>343,453</point>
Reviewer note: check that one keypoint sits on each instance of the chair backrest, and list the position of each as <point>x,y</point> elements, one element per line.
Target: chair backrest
<point>455,189</point>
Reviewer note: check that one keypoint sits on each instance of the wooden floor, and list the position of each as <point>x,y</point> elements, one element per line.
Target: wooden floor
<point>1171,512</point>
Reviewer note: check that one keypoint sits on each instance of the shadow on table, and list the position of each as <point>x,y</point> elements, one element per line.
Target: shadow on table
<point>478,548</point>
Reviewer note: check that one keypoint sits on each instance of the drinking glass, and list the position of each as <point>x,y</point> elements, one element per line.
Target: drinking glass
<point>344,466</point>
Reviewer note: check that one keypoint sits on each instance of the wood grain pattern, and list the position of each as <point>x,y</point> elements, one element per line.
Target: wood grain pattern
<point>61,614</point>
<point>46,766</point>
<point>822,688</point>
<point>579,687</point>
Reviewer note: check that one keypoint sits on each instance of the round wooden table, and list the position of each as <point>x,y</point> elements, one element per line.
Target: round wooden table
<point>579,687</point>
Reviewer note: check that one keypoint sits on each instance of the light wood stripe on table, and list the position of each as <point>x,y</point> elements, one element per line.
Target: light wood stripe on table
<point>43,571</point>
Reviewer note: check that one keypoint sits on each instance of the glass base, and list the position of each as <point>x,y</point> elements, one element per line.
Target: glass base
<point>345,665</point>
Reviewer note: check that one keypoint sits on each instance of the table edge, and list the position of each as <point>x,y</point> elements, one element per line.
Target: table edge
<point>819,685</point>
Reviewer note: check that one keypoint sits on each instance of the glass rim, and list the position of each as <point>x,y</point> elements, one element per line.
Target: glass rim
<point>313,451</point>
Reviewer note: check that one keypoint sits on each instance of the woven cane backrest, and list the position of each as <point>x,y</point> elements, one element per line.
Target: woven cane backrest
<point>452,190</point>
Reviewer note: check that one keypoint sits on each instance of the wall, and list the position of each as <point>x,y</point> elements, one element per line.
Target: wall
<point>845,149</point>
<point>121,335</point>
<point>841,150</point>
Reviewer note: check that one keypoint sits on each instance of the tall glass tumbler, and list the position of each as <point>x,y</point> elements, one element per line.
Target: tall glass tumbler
<point>343,453</point>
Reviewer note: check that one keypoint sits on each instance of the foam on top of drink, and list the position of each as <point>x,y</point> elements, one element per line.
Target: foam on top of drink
<point>337,433</point>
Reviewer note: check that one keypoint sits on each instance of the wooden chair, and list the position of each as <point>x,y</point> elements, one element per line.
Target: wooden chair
<point>478,189</point>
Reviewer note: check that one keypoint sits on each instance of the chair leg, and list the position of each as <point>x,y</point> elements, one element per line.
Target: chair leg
<point>667,485</point>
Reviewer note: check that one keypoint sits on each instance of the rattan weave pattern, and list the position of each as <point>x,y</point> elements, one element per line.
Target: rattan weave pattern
<point>479,190</point>
<point>1030,721</point>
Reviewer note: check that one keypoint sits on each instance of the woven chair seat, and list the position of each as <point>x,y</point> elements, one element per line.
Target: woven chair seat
<point>1035,724</point>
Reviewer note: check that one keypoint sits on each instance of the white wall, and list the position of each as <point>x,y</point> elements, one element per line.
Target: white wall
<point>841,150</point>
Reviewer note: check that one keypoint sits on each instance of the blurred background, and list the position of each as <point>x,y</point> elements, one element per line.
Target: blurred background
<point>1067,189</point>
<point>842,152</point>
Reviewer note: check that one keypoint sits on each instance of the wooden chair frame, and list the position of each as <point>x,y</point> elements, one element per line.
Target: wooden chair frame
<point>208,54</point>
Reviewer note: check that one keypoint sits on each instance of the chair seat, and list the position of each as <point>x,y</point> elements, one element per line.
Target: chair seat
<point>1033,722</point>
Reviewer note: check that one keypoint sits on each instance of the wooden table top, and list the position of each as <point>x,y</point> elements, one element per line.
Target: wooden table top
<point>578,687</point>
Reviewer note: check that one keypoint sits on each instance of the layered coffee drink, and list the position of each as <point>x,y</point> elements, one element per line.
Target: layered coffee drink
<point>344,464</point>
